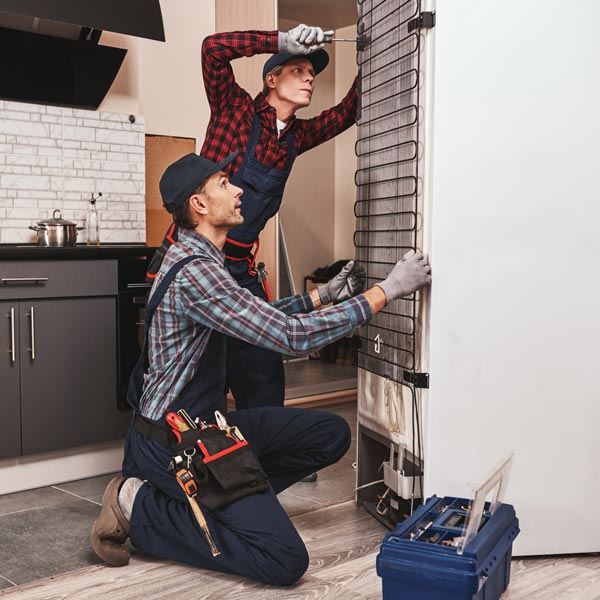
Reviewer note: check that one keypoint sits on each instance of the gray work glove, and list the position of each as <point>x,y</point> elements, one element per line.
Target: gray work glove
<point>346,284</point>
<point>409,274</point>
<point>302,39</point>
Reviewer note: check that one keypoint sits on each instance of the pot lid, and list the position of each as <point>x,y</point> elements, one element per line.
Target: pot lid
<point>56,220</point>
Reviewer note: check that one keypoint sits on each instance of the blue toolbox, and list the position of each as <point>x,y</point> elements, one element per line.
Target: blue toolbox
<point>451,549</point>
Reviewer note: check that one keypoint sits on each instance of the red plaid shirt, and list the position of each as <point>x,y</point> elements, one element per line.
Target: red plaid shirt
<point>232,108</point>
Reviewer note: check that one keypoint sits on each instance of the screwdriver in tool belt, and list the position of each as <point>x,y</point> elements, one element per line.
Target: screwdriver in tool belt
<point>190,422</point>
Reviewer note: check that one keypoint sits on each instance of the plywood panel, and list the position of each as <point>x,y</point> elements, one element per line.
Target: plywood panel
<point>233,15</point>
<point>161,151</point>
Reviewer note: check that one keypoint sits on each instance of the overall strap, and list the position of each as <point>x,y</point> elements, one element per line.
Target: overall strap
<point>136,379</point>
<point>291,151</point>
<point>163,286</point>
<point>250,151</point>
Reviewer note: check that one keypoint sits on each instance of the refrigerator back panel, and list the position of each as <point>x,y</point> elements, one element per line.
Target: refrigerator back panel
<point>394,54</point>
<point>388,221</point>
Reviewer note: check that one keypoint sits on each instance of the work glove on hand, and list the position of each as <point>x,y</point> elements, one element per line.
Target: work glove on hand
<point>409,274</point>
<point>302,39</point>
<point>346,284</point>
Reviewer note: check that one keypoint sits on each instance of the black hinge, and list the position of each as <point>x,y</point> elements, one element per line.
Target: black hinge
<point>426,20</point>
<point>418,380</point>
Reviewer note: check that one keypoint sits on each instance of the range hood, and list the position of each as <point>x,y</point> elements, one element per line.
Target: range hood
<point>51,52</point>
<point>67,18</point>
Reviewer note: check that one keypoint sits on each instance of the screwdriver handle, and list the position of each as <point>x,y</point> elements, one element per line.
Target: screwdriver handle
<point>190,422</point>
<point>177,424</point>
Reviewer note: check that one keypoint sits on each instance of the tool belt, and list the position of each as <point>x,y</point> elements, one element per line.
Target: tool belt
<point>151,430</point>
<point>238,251</point>
<point>235,250</point>
<point>156,261</point>
<point>214,465</point>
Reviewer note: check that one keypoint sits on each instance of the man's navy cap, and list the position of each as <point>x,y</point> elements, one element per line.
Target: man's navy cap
<point>185,175</point>
<point>319,60</point>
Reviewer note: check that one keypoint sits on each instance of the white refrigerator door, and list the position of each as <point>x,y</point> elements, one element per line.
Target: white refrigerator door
<point>515,246</point>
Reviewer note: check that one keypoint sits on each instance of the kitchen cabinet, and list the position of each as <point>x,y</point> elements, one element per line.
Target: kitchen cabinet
<point>58,372</point>
<point>10,419</point>
<point>68,372</point>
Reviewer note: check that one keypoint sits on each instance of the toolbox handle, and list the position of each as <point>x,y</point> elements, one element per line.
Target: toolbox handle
<point>496,482</point>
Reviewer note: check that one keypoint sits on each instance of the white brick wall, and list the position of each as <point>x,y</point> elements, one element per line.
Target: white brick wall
<point>52,157</point>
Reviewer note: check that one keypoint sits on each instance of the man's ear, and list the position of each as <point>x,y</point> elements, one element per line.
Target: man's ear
<point>199,204</point>
<point>270,81</point>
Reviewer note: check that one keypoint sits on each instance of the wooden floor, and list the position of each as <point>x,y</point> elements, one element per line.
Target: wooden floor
<point>343,542</point>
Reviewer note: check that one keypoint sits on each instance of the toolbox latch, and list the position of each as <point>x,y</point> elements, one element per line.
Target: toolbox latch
<point>418,380</point>
<point>425,20</point>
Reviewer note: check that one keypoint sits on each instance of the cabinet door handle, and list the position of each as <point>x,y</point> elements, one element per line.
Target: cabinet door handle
<point>32,315</point>
<point>139,286</point>
<point>12,335</point>
<point>9,280</point>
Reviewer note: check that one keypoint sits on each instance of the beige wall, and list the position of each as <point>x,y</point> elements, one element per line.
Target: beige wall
<point>345,158</point>
<point>163,81</point>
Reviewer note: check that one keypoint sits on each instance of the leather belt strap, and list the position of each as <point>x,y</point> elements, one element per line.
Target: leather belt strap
<point>153,431</point>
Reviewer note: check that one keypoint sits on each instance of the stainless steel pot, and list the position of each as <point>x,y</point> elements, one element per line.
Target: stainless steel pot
<point>56,231</point>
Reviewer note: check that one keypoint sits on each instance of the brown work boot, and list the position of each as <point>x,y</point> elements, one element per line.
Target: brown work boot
<point>111,528</point>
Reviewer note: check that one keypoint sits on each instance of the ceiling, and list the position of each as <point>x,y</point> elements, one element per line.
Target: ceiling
<point>323,13</point>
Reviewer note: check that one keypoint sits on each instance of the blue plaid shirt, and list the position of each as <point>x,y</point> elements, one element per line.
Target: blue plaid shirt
<point>203,296</point>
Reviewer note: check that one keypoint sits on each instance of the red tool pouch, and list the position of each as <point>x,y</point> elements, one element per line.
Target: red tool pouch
<point>224,467</point>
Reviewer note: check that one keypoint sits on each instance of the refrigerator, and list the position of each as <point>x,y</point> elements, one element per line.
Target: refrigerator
<point>477,141</point>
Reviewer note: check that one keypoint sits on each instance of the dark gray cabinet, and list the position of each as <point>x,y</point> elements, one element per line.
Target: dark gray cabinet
<point>10,409</point>
<point>58,378</point>
<point>68,372</point>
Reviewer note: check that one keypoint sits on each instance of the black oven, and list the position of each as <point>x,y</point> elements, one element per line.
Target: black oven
<point>131,306</point>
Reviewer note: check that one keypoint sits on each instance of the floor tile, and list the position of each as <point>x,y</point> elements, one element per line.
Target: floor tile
<point>312,377</point>
<point>295,505</point>
<point>346,410</point>
<point>334,484</point>
<point>30,499</point>
<point>305,372</point>
<point>91,488</point>
<point>44,542</point>
<point>4,584</point>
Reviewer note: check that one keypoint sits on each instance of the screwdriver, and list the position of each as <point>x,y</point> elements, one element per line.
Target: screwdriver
<point>360,41</point>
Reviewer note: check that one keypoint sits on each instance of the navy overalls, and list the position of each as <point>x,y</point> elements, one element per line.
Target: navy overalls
<point>255,375</point>
<point>254,534</point>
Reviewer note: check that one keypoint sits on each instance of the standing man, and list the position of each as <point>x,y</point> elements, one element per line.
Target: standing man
<point>268,136</point>
<point>194,305</point>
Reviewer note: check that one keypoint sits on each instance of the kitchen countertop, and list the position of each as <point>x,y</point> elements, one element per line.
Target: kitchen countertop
<point>78,252</point>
